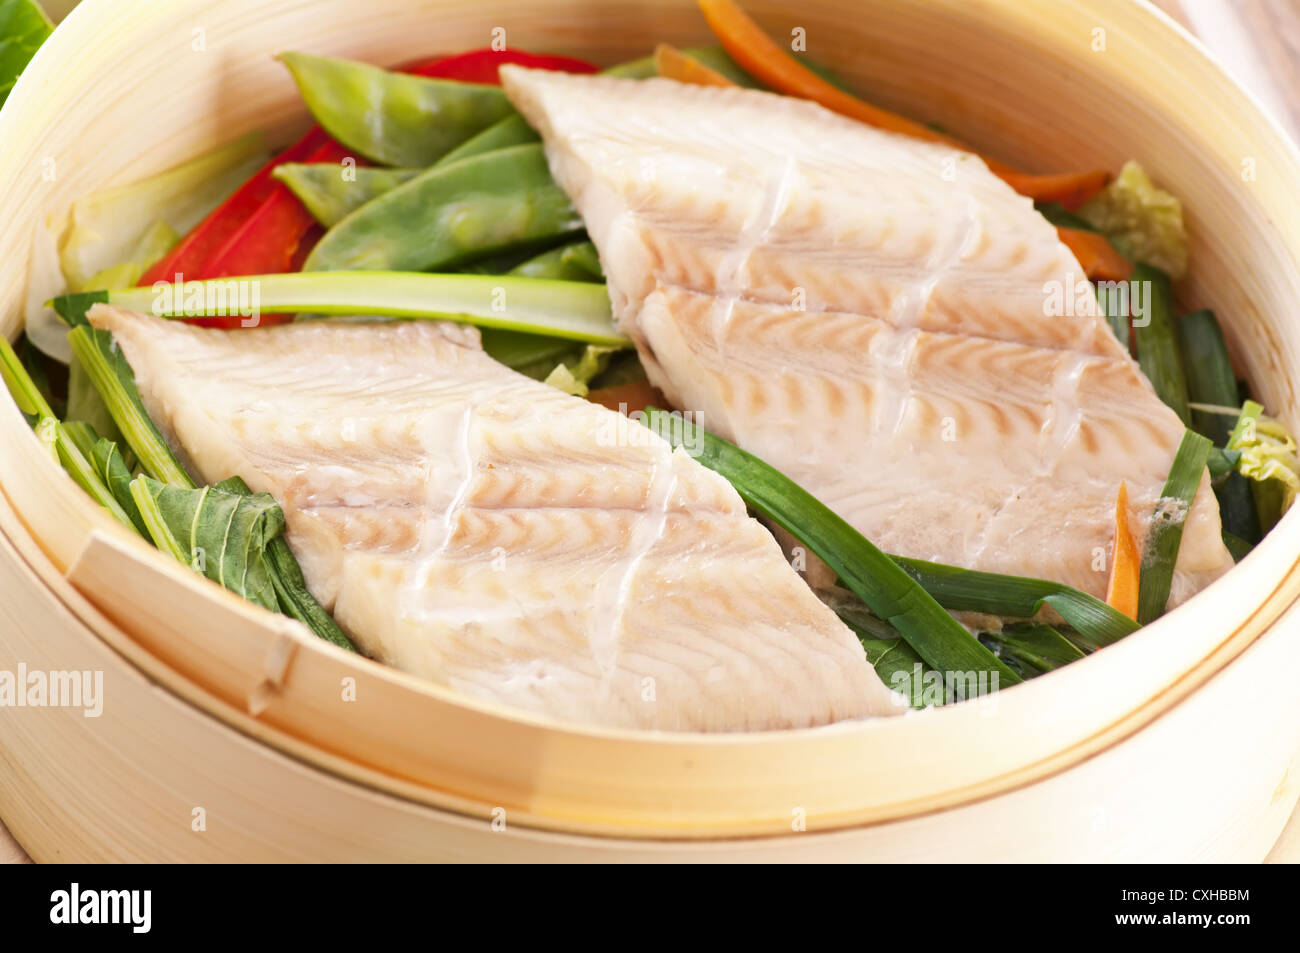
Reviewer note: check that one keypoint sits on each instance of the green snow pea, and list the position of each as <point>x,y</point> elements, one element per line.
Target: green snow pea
<point>558,263</point>
<point>330,196</point>
<point>393,118</point>
<point>511,131</point>
<point>451,214</point>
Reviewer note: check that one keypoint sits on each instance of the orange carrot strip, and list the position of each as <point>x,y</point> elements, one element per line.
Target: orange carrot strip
<point>760,56</point>
<point>1122,590</point>
<point>672,63</point>
<point>1070,189</point>
<point>1097,256</point>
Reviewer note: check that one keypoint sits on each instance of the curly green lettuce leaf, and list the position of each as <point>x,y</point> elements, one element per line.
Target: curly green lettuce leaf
<point>23,28</point>
<point>1143,222</point>
<point>574,377</point>
<point>1268,452</point>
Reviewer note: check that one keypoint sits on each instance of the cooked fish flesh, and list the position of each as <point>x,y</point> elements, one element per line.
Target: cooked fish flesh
<point>869,314</point>
<point>496,536</point>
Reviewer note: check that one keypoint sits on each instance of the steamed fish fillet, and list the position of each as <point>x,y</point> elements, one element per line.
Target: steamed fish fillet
<point>869,314</point>
<point>494,535</point>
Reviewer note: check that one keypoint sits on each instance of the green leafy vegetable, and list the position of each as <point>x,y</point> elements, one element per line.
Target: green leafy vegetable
<point>894,660</point>
<point>574,377</point>
<point>967,590</point>
<point>887,590</point>
<point>1268,458</point>
<point>290,588</point>
<point>23,28</point>
<point>1212,389</point>
<point>52,433</point>
<point>1034,649</point>
<point>113,471</point>
<point>108,370</point>
<point>125,224</point>
<point>1158,351</point>
<point>1210,378</point>
<point>1166,532</point>
<point>221,534</point>
<point>1143,222</point>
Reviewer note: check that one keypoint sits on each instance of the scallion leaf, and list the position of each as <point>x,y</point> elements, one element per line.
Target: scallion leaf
<point>1158,352</point>
<point>1166,533</point>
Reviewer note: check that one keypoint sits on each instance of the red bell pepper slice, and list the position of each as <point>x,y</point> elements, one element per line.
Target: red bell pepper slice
<point>195,250</point>
<point>481,66</point>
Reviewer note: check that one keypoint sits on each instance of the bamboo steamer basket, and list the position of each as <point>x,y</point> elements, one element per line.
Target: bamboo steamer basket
<point>1177,743</point>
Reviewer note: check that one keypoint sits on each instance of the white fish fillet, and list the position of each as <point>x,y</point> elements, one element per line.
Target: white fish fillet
<point>867,313</point>
<point>485,531</point>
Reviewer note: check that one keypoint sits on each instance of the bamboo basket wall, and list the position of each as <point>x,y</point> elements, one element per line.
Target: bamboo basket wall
<point>1135,753</point>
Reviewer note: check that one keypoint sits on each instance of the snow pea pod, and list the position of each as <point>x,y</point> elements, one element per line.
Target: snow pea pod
<point>331,192</point>
<point>451,214</point>
<point>511,131</point>
<point>395,119</point>
<point>558,263</point>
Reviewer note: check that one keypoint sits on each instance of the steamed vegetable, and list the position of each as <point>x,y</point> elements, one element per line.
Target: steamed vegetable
<point>23,28</point>
<point>248,548</point>
<point>1125,564</point>
<point>573,377</point>
<point>1268,458</point>
<point>205,238</point>
<point>331,192</point>
<point>1210,378</point>
<point>576,310</point>
<point>511,131</point>
<point>484,65</point>
<point>567,263</point>
<point>1017,597</point>
<point>220,534</point>
<point>712,58</point>
<point>672,63</point>
<point>393,118</point>
<point>1212,389</point>
<point>1144,222</point>
<point>108,370</point>
<point>1095,254</point>
<point>887,590</point>
<point>1158,352</point>
<point>452,213</point>
<point>1166,532</point>
<point>53,434</point>
<point>107,229</point>
<point>1032,649</point>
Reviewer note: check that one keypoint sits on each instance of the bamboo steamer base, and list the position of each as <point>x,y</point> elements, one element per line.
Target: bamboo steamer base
<point>125,786</point>
<point>1178,743</point>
